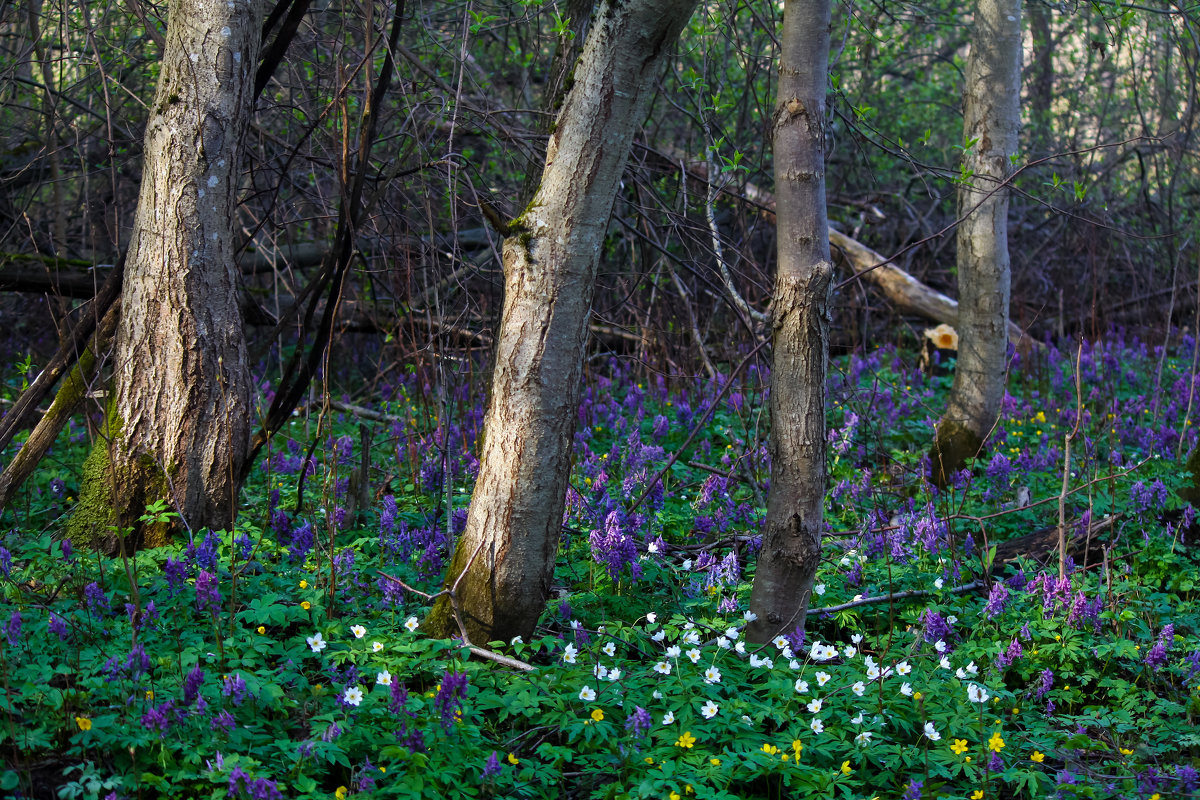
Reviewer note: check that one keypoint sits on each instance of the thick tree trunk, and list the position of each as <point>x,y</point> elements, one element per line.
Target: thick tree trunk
<point>179,420</point>
<point>991,119</point>
<point>550,262</point>
<point>791,550</point>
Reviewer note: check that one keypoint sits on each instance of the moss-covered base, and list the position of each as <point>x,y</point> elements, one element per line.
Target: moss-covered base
<point>113,499</point>
<point>953,444</point>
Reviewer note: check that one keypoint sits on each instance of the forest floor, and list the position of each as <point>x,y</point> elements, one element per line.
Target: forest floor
<point>943,657</point>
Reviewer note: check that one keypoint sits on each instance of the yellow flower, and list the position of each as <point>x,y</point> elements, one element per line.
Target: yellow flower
<point>1037,757</point>
<point>846,770</point>
<point>977,794</point>
<point>649,760</point>
<point>150,692</point>
<point>673,796</point>
<point>84,723</point>
<point>341,792</point>
<point>917,695</point>
<point>967,759</point>
<point>303,584</point>
<point>1016,710</point>
<point>959,747</point>
<point>1125,752</point>
<point>770,749</point>
<point>306,605</point>
<point>996,742</point>
<point>262,629</point>
<point>597,715</point>
<point>686,740</point>
<point>798,746</point>
<point>512,759</point>
<point>716,762</point>
<point>383,769</point>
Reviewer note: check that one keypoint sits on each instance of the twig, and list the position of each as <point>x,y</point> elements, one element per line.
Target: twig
<point>1066,481</point>
<point>886,598</point>
<point>482,652</point>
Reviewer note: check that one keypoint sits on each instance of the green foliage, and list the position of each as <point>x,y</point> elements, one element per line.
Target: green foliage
<point>258,656</point>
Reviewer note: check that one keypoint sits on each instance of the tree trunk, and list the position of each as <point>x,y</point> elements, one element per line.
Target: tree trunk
<point>179,420</point>
<point>991,118</point>
<point>791,550</point>
<point>550,260</point>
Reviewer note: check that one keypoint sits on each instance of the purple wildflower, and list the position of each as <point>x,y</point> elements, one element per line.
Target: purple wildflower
<point>1189,779</point>
<point>67,549</point>
<point>239,781</point>
<point>1047,683</point>
<point>192,684</point>
<point>58,626</point>
<point>208,596</point>
<point>1156,659</point>
<point>450,697</point>
<point>638,722</point>
<point>176,572</point>
<point>5,562</point>
<point>97,600</point>
<point>234,687</point>
<point>137,663</point>
<point>936,626</point>
<point>913,790</point>
<point>13,630</point>
<point>331,733</point>
<point>302,542</point>
<point>492,768</point>
<point>997,599</point>
<point>159,718</point>
<point>223,719</point>
<point>1010,655</point>
<point>613,548</point>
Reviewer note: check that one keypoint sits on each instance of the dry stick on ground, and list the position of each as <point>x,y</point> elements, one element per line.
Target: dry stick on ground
<point>884,598</point>
<point>1066,481</point>
<point>482,652</point>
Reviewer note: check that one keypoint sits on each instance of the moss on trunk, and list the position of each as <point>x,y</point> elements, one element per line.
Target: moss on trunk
<point>112,498</point>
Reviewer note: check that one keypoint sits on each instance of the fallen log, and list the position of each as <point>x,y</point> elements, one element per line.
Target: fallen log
<point>906,293</point>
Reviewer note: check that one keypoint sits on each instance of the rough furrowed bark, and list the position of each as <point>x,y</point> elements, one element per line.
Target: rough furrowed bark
<point>791,551</point>
<point>550,262</point>
<point>181,382</point>
<point>991,116</point>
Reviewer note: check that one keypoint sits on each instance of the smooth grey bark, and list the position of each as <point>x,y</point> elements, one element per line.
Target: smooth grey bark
<point>178,423</point>
<point>791,550</point>
<point>550,260</point>
<point>991,122</point>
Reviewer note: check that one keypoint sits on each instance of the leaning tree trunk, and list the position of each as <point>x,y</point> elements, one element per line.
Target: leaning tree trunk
<point>791,549</point>
<point>178,421</point>
<point>508,549</point>
<point>991,112</point>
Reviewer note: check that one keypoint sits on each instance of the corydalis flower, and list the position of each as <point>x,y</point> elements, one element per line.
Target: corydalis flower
<point>450,696</point>
<point>208,596</point>
<point>638,723</point>
<point>13,629</point>
<point>1156,659</point>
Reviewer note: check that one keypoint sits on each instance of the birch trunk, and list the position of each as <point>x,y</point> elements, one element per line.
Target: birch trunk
<point>550,260</point>
<point>991,120</point>
<point>178,423</point>
<point>787,563</point>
